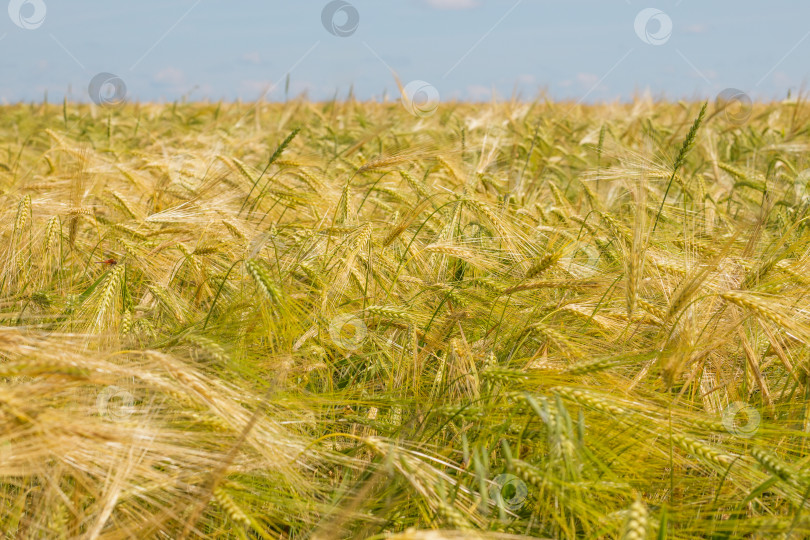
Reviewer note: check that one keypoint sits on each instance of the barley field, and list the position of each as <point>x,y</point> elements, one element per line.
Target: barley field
<point>350,320</point>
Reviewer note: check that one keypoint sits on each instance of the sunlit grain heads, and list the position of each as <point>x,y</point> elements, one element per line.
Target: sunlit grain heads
<point>107,90</point>
<point>27,14</point>
<point>741,419</point>
<point>508,490</point>
<point>653,26</point>
<point>420,98</point>
<point>340,18</point>
<point>115,403</point>
<point>348,331</point>
<point>735,104</point>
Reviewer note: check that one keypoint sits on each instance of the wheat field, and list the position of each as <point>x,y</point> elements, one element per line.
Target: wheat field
<point>343,320</point>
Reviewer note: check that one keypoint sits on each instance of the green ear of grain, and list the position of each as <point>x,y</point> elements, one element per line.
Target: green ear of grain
<point>281,147</point>
<point>687,145</point>
<point>262,275</point>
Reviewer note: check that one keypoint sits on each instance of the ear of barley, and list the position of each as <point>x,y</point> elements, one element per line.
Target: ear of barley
<point>635,527</point>
<point>557,339</point>
<point>390,313</point>
<point>452,516</point>
<point>503,375</point>
<point>773,465</point>
<point>528,473</point>
<point>228,504</point>
<point>687,145</point>
<point>701,449</point>
<point>415,185</point>
<point>759,307</point>
<point>589,400</point>
<point>261,274</point>
<point>660,314</point>
<point>544,264</point>
<point>579,285</point>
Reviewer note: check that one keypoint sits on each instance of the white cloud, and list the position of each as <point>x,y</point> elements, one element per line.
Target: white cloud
<point>170,76</point>
<point>452,4</point>
<point>478,92</point>
<point>252,57</point>
<point>587,79</point>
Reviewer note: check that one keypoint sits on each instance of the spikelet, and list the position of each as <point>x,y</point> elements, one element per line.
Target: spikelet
<point>233,229</point>
<point>756,305</point>
<point>243,170</point>
<point>124,205</point>
<point>636,526</point>
<point>544,264</point>
<point>390,313</point>
<point>578,285</point>
<point>453,251</point>
<point>591,366</point>
<point>126,323</point>
<point>362,238</point>
<point>51,234</point>
<point>557,339</point>
<point>452,516</point>
<point>687,145</point>
<point>701,449</point>
<point>383,163</point>
<point>660,314</point>
<point>589,400</point>
<point>210,348</point>
<point>58,521</point>
<point>503,375</point>
<point>107,296</point>
<point>776,467</point>
<point>23,214</point>
<point>415,185</point>
<point>261,274</point>
<point>528,473</point>
<point>130,231</point>
<point>490,216</point>
<point>228,504</point>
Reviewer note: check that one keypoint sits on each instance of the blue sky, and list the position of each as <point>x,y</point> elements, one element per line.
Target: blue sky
<point>590,50</point>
